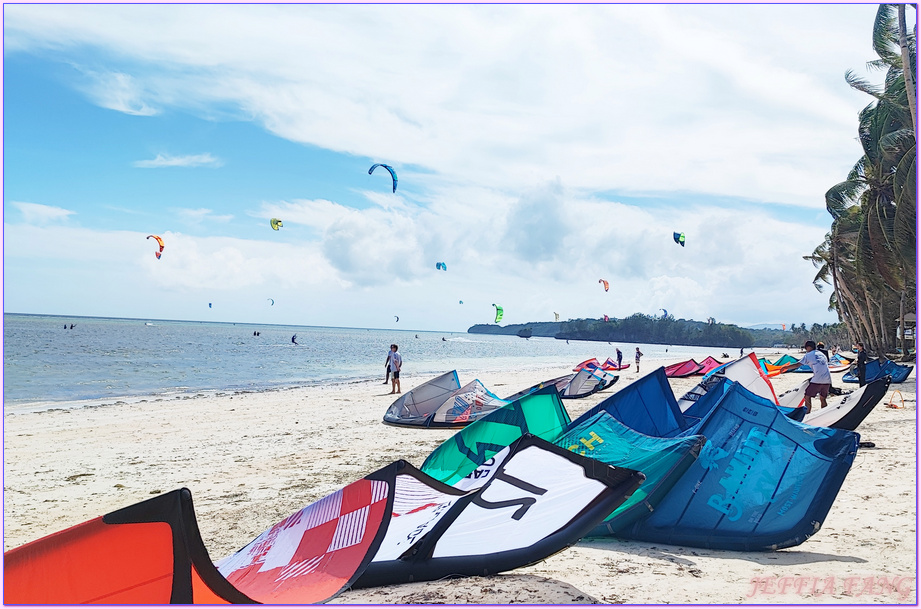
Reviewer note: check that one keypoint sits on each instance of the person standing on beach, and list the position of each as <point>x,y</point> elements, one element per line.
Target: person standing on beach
<point>821,347</point>
<point>396,362</point>
<point>639,354</point>
<point>387,365</point>
<point>861,365</point>
<point>820,382</point>
<point>620,357</point>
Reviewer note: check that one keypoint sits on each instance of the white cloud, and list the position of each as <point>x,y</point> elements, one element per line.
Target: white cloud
<point>117,91</point>
<point>36,213</point>
<point>503,121</point>
<point>197,216</point>
<point>189,160</point>
<point>609,97</point>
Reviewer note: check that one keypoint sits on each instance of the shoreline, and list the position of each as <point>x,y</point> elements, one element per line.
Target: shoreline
<point>32,406</point>
<point>253,458</point>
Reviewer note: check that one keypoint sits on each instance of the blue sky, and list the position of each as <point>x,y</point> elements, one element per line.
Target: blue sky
<point>538,148</point>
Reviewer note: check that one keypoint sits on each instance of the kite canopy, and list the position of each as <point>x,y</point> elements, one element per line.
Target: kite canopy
<point>604,282</point>
<point>682,369</point>
<point>540,499</point>
<point>679,239</point>
<point>717,504</point>
<point>589,363</point>
<point>276,223</point>
<point>393,174</point>
<point>558,383</point>
<point>272,300</point>
<point>441,266</point>
<point>499,312</point>
<point>468,459</point>
<point>850,411</point>
<point>556,317</point>
<point>610,365</point>
<point>160,241</point>
<point>442,402</point>
<point>147,553</point>
<point>875,370</point>
<point>586,382</point>
<point>708,364</point>
<point>745,370</point>
<point>392,526</point>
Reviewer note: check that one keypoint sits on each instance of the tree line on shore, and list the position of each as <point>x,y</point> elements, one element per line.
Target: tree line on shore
<point>651,329</point>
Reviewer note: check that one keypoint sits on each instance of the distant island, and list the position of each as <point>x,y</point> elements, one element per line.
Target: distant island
<point>640,328</point>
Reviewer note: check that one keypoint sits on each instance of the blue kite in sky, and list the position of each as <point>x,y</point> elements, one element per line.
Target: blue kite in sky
<point>393,173</point>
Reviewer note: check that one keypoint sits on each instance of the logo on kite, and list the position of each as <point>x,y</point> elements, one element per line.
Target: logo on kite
<point>679,239</point>
<point>499,312</point>
<point>393,174</point>
<point>160,241</point>
<point>276,223</point>
<point>272,300</point>
<point>556,316</point>
<point>605,283</point>
<point>441,266</point>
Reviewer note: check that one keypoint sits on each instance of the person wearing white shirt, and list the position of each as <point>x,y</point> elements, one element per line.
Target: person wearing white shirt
<point>820,382</point>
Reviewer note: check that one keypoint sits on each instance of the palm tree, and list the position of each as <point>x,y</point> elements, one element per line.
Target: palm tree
<point>870,255</point>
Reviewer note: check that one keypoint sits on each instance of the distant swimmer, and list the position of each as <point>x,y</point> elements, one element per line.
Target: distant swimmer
<point>293,339</point>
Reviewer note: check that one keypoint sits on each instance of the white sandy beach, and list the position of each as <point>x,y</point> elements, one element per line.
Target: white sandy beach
<point>251,459</point>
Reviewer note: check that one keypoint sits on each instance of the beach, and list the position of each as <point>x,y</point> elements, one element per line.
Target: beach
<point>251,459</point>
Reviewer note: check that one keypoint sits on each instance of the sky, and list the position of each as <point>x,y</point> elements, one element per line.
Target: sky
<point>538,149</point>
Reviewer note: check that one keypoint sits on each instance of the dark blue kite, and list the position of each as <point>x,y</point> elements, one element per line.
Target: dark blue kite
<point>393,173</point>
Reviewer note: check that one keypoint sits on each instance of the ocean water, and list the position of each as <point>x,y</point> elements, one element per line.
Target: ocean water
<point>47,364</point>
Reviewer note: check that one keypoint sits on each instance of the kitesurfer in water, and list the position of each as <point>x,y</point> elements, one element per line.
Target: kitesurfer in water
<point>639,354</point>
<point>293,339</point>
<point>396,362</point>
<point>820,382</point>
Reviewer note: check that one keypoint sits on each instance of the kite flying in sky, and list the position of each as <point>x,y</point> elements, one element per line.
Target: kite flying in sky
<point>276,223</point>
<point>393,173</point>
<point>441,266</point>
<point>160,241</point>
<point>679,239</point>
<point>605,283</point>
<point>499,312</point>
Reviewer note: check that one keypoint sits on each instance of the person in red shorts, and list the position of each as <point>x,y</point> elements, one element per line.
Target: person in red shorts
<point>820,382</point>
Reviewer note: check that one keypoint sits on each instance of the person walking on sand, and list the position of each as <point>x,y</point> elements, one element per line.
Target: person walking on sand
<point>396,362</point>
<point>620,357</point>
<point>820,382</point>
<point>639,354</point>
<point>387,365</point>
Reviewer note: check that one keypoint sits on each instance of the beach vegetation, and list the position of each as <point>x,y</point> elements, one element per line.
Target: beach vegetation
<point>869,256</point>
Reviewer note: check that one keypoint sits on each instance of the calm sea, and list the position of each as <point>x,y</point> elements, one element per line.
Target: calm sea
<point>48,364</point>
